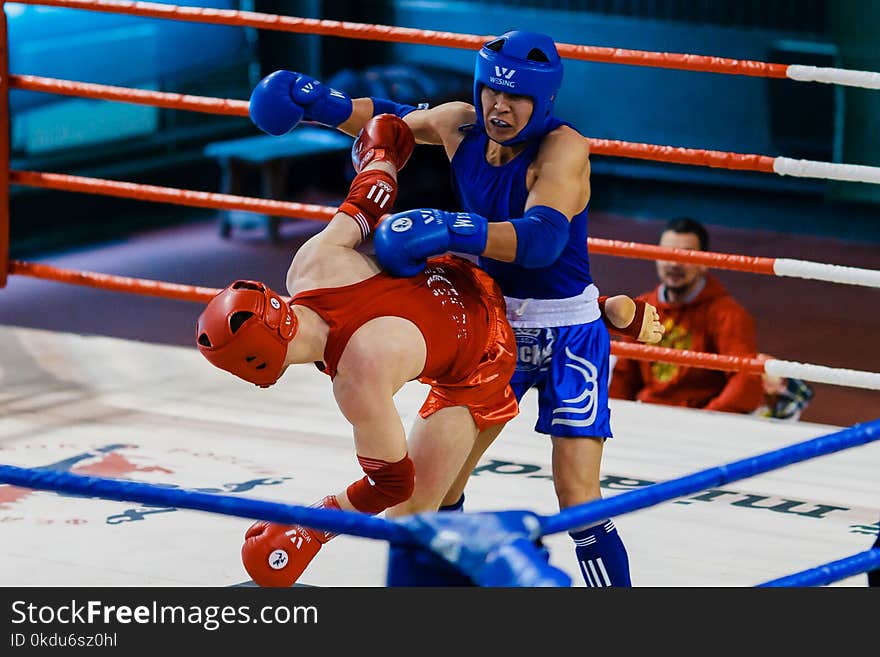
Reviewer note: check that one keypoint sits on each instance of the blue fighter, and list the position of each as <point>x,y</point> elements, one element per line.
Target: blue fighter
<point>523,181</point>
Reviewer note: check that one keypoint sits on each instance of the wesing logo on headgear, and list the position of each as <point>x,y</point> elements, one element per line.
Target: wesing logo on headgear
<point>503,76</point>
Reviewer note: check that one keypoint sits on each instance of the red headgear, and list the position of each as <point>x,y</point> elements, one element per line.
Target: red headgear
<point>245,330</point>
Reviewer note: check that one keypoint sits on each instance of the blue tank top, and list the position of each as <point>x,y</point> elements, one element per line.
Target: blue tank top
<point>499,194</point>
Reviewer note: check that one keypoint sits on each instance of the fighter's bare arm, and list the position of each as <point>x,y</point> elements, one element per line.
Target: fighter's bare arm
<point>436,125</point>
<point>361,112</point>
<point>560,179</point>
<point>330,257</point>
<point>378,360</point>
<point>440,125</point>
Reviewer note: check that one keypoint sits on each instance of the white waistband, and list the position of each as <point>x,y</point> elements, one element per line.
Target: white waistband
<point>540,313</point>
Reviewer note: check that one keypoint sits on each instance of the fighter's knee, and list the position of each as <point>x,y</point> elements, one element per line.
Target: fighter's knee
<point>386,484</point>
<point>569,494</point>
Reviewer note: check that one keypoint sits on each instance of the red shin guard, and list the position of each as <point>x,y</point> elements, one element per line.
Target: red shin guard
<point>385,485</point>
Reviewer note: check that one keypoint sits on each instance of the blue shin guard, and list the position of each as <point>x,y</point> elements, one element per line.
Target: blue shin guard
<point>602,556</point>
<point>457,506</point>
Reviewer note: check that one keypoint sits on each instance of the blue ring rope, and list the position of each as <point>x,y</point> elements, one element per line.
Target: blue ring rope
<point>120,490</point>
<point>377,528</point>
<point>592,512</point>
<point>831,572</point>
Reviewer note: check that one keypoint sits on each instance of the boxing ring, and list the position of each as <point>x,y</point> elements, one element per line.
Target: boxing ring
<point>148,433</point>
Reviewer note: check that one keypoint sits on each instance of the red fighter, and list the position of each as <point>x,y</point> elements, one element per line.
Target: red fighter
<point>371,333</point>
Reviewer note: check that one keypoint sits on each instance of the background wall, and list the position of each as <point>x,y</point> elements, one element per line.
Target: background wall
<point>699,110</point>
<point>753,213</point>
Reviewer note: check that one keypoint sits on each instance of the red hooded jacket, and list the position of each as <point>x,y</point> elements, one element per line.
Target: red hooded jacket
<point>714,323</point>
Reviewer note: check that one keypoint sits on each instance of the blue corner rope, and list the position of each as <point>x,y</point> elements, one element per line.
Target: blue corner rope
<point>371,527</point>
<point>595,511</point>
<point>359,524</point>
<point>830,572</point>
<point>346,522</point>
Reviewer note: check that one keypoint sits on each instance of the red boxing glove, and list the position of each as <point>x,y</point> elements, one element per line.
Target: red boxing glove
<point>385,138</point>
<point>276,555</point>
<point>634,328</point>
<point>370,197</point>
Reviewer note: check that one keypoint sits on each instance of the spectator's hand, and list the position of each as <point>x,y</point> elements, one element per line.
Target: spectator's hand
<point>773,385</point>
<point>784,398</point>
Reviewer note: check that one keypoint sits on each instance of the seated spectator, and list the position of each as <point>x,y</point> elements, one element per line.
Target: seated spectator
<point>699,315</point>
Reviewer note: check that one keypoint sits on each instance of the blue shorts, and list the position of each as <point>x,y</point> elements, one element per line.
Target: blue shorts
<point>569,366</point>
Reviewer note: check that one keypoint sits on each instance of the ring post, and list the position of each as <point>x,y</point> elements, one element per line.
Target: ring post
<point>4,146</point>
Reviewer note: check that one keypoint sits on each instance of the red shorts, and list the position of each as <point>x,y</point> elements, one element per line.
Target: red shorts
<point>486,391</point>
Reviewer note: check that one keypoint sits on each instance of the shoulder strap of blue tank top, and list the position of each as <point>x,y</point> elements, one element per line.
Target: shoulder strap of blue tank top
<point>555,123</point>
<point>472,131</point>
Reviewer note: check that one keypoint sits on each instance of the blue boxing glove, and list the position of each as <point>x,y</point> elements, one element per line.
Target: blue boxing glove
<point>405,240</point>
<point>283,98</point>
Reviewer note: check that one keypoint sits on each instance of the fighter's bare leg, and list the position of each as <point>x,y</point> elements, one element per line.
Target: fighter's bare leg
<point>438,447</point>
<point>485,438</point>
<point>576,464</point>
<point>601,554</point>
<point>444,452</point>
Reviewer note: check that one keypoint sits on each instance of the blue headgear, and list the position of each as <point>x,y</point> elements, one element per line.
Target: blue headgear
<point>523,63</point>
